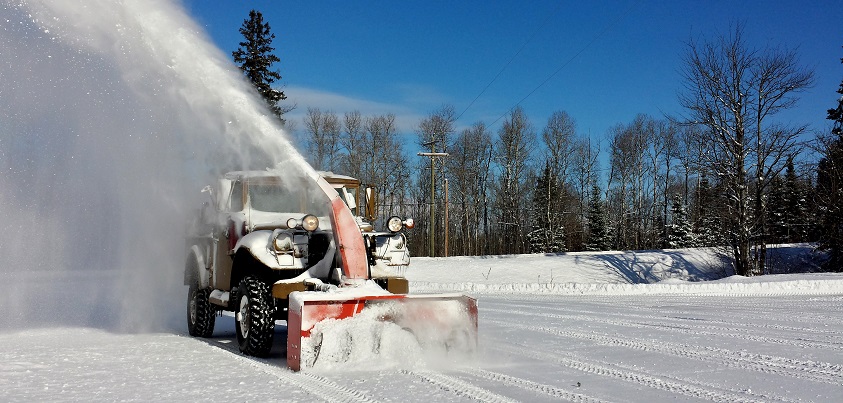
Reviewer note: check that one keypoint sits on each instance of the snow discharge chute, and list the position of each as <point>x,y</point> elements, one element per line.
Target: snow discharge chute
<point>446,322</point>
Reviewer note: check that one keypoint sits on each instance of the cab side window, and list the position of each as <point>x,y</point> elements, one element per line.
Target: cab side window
<point>237,196</point>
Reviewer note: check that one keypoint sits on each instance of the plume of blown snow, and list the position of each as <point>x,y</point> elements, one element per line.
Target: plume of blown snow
<point>113,115</point>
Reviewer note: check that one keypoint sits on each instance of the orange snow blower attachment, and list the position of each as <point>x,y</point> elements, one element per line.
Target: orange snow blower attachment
<point>444,321</point>
<point>447,321</point>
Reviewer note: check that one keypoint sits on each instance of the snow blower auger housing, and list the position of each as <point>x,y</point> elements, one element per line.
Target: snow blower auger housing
<point>267,247</point>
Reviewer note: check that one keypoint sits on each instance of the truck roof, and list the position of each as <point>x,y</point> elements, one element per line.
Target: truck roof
<point>234,175</point>
<point>337,179</point>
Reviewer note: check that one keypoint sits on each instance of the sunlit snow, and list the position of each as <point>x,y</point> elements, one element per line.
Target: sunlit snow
<point>772,338</point>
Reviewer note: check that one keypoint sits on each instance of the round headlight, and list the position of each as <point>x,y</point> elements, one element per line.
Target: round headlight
<point>310,222</point>
<point>394,224</point>
<point>283,243</point>
<point>292,223</point>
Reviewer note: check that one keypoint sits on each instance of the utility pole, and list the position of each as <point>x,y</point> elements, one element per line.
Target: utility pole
<point>431,228</point>
<point>446,217</point>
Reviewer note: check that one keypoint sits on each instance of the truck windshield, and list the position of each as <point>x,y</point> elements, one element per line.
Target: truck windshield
<point>277,198</point>
<point>273,198</point>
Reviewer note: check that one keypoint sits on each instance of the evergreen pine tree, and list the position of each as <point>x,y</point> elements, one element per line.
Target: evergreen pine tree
<point>830,188</point>
<point>547,234</point>
<point>255,59</point>
<point>836,114</point>
<point>680,233</point>
<point>795,212</point>
<point>707,221</point>
<point>598,231</point>
<point>777,210</point>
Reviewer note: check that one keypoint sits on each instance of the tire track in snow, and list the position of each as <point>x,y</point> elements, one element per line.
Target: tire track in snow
<point>695,329</point>
<point>313,384</point>
<point>743,308</point>
<point>757,312</point>
<point>670,384</point>
<point>531,386</point>
<point>681,316</point>
<point>459,387</point>
<point>796,313</point>
<point>807,370</point>
<point>835,338</point>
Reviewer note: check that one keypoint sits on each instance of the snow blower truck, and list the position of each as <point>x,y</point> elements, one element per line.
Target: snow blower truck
<point>269,247</point>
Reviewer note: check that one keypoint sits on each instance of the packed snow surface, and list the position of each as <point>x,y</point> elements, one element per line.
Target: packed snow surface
<point>601,337</point>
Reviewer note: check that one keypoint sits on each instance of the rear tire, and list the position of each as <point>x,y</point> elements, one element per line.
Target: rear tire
<point>201,314</point>
<point>255,317</point>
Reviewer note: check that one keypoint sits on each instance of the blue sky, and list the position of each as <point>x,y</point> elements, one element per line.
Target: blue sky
<point>614,59</point>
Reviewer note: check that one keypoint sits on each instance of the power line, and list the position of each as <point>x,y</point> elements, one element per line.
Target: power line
<point>600,34</point>
<point>524,45</point>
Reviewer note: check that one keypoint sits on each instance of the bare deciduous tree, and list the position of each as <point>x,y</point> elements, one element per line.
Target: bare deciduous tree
<point>558,137</point>
<point>512,156</point>
<point>353,141</point>
<point>734,90</point>
<point>434,133</point>
<point>627,178</point>
<point>468,170</point>
<point>584,175</point>
<point>384,165</point>
<point>323,139</point>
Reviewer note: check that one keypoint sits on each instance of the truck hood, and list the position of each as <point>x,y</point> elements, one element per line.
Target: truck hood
<point>256,219</point>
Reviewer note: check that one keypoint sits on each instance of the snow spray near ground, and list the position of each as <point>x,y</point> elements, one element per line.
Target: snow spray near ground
<point>392,334</point>
<point>360,340</point>
<point>112,116</point>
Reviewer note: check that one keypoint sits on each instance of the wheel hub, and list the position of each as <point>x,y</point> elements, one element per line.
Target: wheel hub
<point>243,316</point>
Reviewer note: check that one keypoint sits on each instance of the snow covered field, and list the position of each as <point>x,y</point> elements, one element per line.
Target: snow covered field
<point>606,338</point>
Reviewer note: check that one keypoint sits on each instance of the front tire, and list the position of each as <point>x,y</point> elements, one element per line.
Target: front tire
<point>255,317</point>
<point>200,314</point>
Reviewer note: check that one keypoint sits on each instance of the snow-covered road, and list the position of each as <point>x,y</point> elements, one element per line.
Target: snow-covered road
<point>534,348</point>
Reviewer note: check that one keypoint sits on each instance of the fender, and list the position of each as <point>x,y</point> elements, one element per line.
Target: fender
<point>198,269</point>
<point>257,243</point>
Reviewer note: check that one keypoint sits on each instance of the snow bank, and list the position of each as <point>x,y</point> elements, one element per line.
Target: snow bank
<point>699,271</point>
<point>782,284</point>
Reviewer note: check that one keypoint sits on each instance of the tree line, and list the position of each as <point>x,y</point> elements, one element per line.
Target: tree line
<point>723,172</point>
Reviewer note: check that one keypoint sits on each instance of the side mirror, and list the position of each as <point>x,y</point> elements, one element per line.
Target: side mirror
<point>349,200</point>
<point>210,191</point>
<point>371,200</point>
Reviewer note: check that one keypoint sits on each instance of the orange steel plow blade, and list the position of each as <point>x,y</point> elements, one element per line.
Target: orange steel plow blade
<point>448,320</point>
